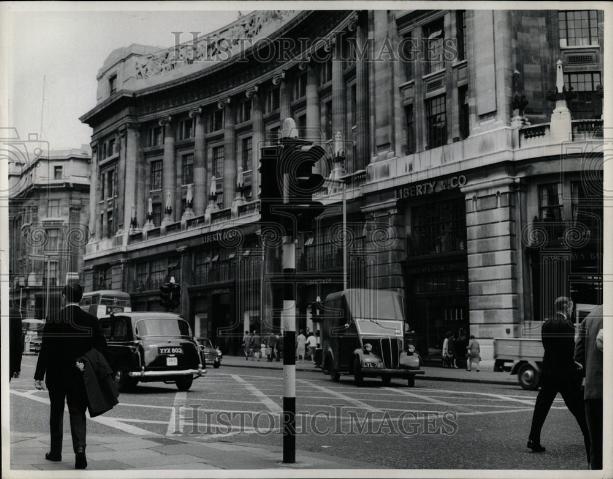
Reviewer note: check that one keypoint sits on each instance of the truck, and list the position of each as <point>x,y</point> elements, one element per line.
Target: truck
<point>526,354</point>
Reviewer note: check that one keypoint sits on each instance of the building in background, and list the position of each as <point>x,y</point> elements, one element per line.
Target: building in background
<point>474,139</point>
<point>48,218</point>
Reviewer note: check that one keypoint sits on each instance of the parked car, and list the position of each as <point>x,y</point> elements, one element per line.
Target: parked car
<point>362,334</point>
<point>212,354</point>
<point>152,347</point>
<point>32,334</point>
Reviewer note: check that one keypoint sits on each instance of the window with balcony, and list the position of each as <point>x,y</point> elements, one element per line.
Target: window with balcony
<point>154,136</point>
<point>185,129</point>
<point>587,89</point>
<point>434,35</point>
<point>155,179</point>
<point>550,202</point>
<point>187,169</point>
<point>579,27</point>
<point>410,128</point>
<point>436,121</point>
<point>57,173</point>
<point>461,34</point>
<point>53,209</point>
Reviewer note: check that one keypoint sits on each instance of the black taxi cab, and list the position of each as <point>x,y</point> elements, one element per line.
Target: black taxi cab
<point>152,347</point>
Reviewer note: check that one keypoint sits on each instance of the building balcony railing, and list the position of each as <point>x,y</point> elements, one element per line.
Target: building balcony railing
<point>587,129</point>
<point>535,135</point>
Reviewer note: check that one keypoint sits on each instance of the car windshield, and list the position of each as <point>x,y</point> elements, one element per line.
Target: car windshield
<point>32,326</point>
<point>114,301</point>
<point>162,327</point>
<point>206,342</point>
<point>380,327</point>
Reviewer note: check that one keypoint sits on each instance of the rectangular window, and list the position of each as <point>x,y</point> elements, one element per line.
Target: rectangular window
<point>272,100</point>
<point>587,100</point>
<point>186,129</point>
<point>463,111</point>
<point>109,224</point>
<point>109,188</point>
<point>325,72</point>
<point>216,120</point>
<point>550,202</point>
<point>53,240</point>
<point>159,269</point>
<point>438,227</point>
<point>187,169</point>
<point>141,275</point>
<point>436,121</point>
<point>156,213</point>
<point>53,209</point>
<point>410,126</point>
<point>584,209</point>
<point>434,34</point>
<point>111,148</point>
<point>409,55</point>
<point>243,112</point>
<point>578,27</point>
<point>57,173</point>
<point>247,154</point>
<point>113,84</point>
<point>155,179</point>
<point>218,161</point>
<point>299,87</point>
<point>328,119</point>
<point>154,136</point>
<point>461,34</point>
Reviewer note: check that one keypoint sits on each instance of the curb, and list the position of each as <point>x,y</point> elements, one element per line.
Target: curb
<point>425,376</point>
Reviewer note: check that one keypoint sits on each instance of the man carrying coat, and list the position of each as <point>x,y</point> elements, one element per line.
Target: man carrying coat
<point>588,352</point>
<point>68,334</point>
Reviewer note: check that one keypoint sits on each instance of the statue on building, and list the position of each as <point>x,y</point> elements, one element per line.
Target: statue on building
<point>149,223</point>
<point>561,121</point>
<point>212,204</point>
<point>189,201</point>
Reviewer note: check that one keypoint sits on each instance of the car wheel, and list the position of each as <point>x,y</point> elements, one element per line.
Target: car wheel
<point>386,380</point>
<point>357,372</point>
<point>411,381</point>
<point>125,382</point>
<point>528,377</point>
<point>184,383</point>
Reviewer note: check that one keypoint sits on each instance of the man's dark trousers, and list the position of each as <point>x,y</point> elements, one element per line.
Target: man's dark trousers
<point>593,413</point>
<point>571,392</point>
<point>68,390</point>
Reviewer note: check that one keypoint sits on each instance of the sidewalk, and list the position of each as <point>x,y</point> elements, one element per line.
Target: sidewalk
<point>123,452</point>
<point>486,374</point>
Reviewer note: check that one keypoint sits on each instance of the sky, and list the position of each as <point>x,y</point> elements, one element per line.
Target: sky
<point>66,49</point>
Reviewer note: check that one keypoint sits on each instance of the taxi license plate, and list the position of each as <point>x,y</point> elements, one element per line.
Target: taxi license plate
<point>172,361</point>
<point>170,350</point>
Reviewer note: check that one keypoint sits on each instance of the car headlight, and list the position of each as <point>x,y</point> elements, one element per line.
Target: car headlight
<point>411,349</point>
<point>368,347</point>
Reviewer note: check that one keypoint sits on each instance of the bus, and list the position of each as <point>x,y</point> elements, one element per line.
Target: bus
<point>106,301</point>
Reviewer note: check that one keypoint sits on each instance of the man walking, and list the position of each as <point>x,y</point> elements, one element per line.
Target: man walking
<point>560,374</point>
<point>16,340</point>
<point>588,352</point>
<point>68,334</point>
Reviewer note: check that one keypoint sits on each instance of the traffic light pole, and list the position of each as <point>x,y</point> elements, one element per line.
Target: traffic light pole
<point>289,351</point>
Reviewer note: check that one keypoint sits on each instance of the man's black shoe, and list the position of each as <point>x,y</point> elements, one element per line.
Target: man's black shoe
<point>53,457</point>
<point>535,447</point>
<point>80,459</point>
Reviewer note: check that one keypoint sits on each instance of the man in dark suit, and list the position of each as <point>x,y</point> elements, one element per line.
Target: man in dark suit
<point>588,352</point>
<point>16,339</point>
<point>560,374</point>
<point>68,334</point>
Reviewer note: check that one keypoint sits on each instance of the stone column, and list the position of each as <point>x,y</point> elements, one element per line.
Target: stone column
<point>339,110</point>
<point>168,171</point>
<point>284,98</point>
<point>129,190</point>
<point>494,282</point>
<point>93,233</point>
<point>362,103</point>
<point>141,181</point>
<point>200,170</point>
<point>229,169</point>
<point>257,139</point>
<point>313,114</point>
<point>419,110</point>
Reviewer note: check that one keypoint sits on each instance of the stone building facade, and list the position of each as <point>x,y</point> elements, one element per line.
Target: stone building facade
<point>48,221</point>
<point>475,190</point>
